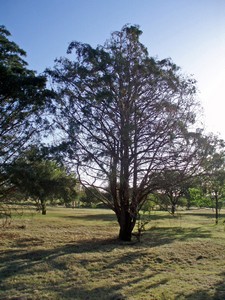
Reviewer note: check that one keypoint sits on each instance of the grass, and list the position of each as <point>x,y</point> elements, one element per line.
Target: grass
<point>75,254</point>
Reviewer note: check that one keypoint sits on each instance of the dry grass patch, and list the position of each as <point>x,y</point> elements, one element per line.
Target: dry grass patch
<point>74,254</point>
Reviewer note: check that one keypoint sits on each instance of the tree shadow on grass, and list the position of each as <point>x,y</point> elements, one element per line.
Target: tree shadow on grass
<point>20,261</point>
<point>39,254</point>
<point>25,263</point>
<point>17,261</point>
<point>208,214</point>
<point>217,292</point>
<point>114,292</point>
<point>157,236</point>
<point>93,217</point>
<point>112,216</point>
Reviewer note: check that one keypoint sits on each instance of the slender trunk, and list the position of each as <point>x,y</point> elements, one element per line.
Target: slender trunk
<point>173,201</point>
<point>217,207</point>
<point>173,208</point>
<point>43,207</point>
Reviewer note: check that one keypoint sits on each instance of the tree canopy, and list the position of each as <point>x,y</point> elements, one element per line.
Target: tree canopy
<point>23,97</point>
<point>42,179</point>
<point>125,117</point>
<point>214,180</point>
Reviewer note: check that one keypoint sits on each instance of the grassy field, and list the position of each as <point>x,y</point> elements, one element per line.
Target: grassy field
<point>75,254</point>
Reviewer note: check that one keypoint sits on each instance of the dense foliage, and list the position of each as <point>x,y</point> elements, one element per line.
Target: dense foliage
<point>126,117</point>
<point>23,97</point>
<point>126,121</point>
<point>42,179</point>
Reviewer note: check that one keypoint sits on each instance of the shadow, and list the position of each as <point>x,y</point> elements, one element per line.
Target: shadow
<point>32,261</point>
<point>159,216</point>
<point>98,293</point>
<point>152,217</point>
<point>93,217</point>
<point>220,288</point>
<point>18,262</point>
<point>27,263</point>
<point>157,236</point>
<point>87,246</point>
<point>110,293</point>
<point>208,215</point>
<point>216,292</point>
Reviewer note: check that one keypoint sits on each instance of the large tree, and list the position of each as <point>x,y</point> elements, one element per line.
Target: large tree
<point>23,96</point>
<point>124,117</point>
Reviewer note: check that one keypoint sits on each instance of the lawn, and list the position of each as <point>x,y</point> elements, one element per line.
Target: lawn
<point>75,254</point>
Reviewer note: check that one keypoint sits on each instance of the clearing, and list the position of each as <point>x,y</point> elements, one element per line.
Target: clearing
<point>75,254</point>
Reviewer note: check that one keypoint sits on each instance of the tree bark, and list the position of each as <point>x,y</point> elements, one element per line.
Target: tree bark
<point>173,208</point>
<point>127,223</point>
<point>43,207</point>
<point>217,207</point>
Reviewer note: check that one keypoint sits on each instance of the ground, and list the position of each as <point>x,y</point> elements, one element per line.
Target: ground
<point>75,254</point>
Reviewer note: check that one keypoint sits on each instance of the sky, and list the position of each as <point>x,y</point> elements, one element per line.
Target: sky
<point>190,32</point>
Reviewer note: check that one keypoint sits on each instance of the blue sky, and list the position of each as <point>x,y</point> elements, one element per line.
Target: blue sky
<point>191,32</point>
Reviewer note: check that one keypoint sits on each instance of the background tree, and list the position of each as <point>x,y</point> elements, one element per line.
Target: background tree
<point>42,179</point>
<point>23,97</point>
<point>90,197</point>
<point>174,188</point>
<point>214,181</point>
<point>124,117</point>
<point>197,197</point>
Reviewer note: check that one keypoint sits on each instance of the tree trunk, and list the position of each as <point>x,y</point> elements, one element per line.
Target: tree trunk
<point>173,209</point>
<point>43,207</point>
<point>217,207</point>
<point>127,224</point>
